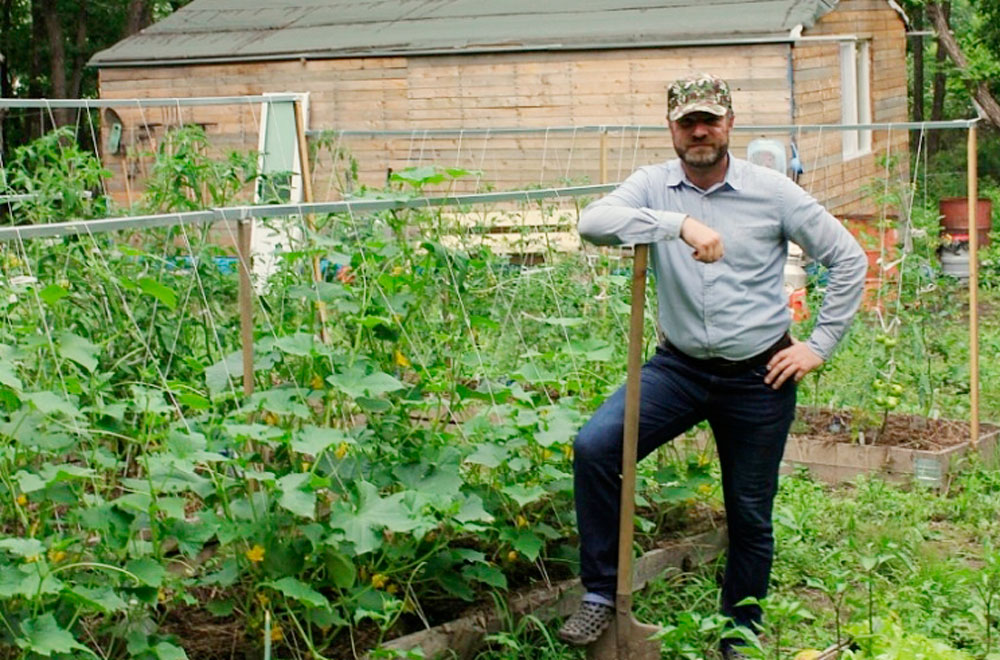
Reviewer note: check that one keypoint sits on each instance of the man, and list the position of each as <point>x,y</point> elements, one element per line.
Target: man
<point>718,228</point>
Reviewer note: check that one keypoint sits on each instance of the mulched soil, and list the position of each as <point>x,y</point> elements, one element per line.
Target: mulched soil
<point>904,431</point>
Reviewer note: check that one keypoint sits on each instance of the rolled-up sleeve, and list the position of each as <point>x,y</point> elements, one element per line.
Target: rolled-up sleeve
<point>623,216</point>
<point>826,240</point>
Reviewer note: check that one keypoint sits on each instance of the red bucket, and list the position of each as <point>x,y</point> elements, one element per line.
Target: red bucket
<point>955,219</point>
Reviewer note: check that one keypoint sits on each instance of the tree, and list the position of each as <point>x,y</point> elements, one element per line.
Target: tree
<point>45,46</point>
<point>977,84</point>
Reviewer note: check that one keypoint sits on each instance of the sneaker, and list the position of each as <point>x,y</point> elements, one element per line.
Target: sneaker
<point>586,624</point>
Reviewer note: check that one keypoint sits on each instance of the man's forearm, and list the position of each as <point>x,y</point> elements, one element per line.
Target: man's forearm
<point>606,222</point>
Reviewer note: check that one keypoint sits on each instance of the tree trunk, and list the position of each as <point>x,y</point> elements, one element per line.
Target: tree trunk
<point>6,84</point>
<point>940,77</point>
<point>918,77</point>
<point>79,52</point>
<point>36,121</point>
<point>140,15</point>
<point>57,57</point>
<point>985,102</point>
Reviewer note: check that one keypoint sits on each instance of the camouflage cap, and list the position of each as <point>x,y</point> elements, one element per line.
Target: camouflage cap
<point>700,92</point>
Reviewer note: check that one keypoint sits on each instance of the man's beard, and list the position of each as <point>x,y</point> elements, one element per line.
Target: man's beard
<point>703,159</point>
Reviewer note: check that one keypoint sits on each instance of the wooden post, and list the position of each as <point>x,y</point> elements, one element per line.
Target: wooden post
<point>123,160</point>
<point>604,155</point>
<point>246,303</point>
<point>973,165</point>
<point>307,197</point>
<point>630,442</point>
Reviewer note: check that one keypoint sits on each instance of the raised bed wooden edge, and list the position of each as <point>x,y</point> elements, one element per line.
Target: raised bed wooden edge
<point>835,462</point>
<point>464,636</point>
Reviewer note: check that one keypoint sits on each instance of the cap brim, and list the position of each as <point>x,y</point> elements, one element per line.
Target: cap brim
<point>710,108</point>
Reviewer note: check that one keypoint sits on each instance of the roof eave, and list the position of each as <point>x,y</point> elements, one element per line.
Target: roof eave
<point>96,61</point>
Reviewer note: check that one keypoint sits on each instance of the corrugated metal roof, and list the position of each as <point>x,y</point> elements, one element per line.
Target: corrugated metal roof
<point>235,30</point>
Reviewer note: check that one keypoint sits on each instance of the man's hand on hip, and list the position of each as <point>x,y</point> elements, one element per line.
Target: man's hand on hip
<point>707,242</point>
<point>793,362</point>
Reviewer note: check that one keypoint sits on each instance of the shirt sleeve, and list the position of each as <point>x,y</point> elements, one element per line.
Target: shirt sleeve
<point>826,240</point>
<point>622,217</point>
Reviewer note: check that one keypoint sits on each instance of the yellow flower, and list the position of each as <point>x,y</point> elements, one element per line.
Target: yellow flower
<point>270,418</point>
<point>341,450</point>
<point>512,555</point>
<point>379,580</point>
<point>392,588</point>
<point>703,460</point>
<point>31,559</point>
<point>568,451</point>
<point>161,596</point>
<point>22,499</point>
<point>546,454</point>
<point>396,270</point>
<point>305,466</point>
<point>521,521</point>
<point>276,634</point>
<point>705,489</point>
<point>255,554</point>
<point>263,599</point>
<point>56,556</point>
<point>317,382</point>
<point>400,359</point>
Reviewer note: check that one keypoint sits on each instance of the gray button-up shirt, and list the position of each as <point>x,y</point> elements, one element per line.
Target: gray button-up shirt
<point>736,307</point>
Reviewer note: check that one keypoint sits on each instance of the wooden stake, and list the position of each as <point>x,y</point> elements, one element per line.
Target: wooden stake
<point>630,442</point>
<point>128,186</point>
<point>973,288</point>
<point>604,155</point>
<point>307,197</point>
<point>246,303</point>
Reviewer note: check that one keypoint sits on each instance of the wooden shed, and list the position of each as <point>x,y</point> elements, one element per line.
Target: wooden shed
<point>444,81</point>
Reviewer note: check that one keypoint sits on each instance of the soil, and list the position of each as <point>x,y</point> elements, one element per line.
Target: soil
<point>903,431</point>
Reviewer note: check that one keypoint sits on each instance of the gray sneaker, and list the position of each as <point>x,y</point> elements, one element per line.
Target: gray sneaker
<point>586,624</point>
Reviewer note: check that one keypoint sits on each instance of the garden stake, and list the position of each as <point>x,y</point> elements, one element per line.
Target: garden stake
<point>307,197</point>
<point>243,229</point>
<point>626,638</point>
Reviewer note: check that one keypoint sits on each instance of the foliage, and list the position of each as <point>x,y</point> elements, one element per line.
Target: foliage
<point>418,460</point>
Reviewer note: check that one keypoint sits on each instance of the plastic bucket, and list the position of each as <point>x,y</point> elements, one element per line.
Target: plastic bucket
<point>955,218</point>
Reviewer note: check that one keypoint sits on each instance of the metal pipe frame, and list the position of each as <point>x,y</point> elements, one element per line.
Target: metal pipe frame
<point>161,102</point>
<point>652,128</point>
<point>210,216</point>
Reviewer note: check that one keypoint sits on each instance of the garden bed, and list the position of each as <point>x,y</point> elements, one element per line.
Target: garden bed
<point>838,445</point>
<point>463,636</point>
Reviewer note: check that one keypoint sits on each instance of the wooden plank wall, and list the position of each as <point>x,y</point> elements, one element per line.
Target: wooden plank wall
<point>531,90</point>
<point>538,90</point>
<point>816,67</point>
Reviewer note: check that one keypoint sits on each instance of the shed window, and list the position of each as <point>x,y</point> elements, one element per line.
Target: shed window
<point>856,97</point>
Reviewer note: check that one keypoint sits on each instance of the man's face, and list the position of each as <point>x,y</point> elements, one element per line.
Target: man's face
<point>701,139</point>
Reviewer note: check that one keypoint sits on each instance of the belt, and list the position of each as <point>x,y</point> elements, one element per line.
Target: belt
<point>722,366</point>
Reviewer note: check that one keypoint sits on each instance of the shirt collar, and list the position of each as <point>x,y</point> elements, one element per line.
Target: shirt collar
<point>734,174</point>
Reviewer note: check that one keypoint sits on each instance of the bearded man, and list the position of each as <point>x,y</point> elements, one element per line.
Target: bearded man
<point>718,229</point>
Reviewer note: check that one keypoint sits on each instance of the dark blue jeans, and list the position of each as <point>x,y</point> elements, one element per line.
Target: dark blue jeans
<point>750,422</point>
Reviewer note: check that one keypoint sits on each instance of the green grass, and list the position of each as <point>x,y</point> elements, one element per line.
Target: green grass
<point>933,549</point>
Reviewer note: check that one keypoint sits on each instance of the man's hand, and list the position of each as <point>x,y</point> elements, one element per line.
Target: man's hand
<point>707,242</point>
<point>793,362</point>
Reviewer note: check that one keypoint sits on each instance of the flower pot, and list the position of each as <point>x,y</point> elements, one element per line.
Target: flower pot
<point>955,219</point>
